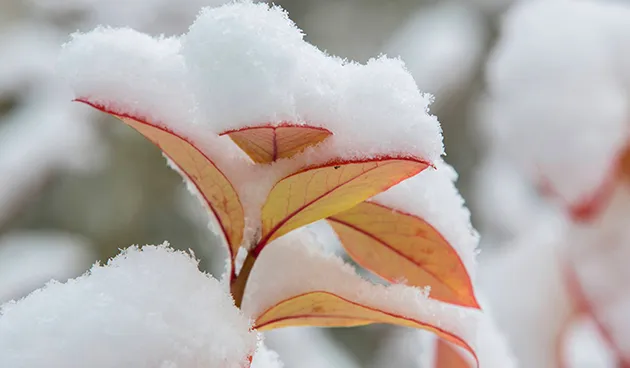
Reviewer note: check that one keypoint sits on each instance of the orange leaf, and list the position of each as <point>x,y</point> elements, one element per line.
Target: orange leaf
<point>447,356</point>
<point>319,192</point>
<point>324,309</point>
<point>268,143</point>
<point>399,246</point>
<point>215,188</point>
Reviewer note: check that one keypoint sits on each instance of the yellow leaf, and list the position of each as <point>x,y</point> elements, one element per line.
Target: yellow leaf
<point>399,246</point>
<point>215,188</point>
<point>319,192</point>
<point>268,143</point>
<point>325,309</point>
<point>447,356</point>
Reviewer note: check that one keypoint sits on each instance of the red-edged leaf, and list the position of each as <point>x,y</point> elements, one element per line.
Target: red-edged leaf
<point>215,188</point>
<point>324,309</point>
<point>319,192</point>
<point>399,246</point>
<point>267,144</point>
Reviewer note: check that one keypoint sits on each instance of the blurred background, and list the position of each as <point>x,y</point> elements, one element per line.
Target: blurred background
<point>75,187</point>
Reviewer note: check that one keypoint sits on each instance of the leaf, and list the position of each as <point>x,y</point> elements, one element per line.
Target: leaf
<point>215,188</point>
<point>325,309</point>
<point>267,144</point>
<point>319,192</point>
<point>399,246</point>
<point>447,356</point>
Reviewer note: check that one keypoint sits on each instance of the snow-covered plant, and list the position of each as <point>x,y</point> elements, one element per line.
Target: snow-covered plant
<point>272,135</point>
<point>559,81</point>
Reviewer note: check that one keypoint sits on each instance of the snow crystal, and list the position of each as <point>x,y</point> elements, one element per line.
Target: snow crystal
<point>306,268</point>
<point>432,196</point>
<point>148,307</point>
<point>560,91</point>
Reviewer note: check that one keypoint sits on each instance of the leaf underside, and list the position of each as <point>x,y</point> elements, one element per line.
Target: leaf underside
<point>267,144</point>
<point>324,309</point>
<point>216,190</point>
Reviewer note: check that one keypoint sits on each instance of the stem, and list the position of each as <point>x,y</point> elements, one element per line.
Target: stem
<point>237,288</point>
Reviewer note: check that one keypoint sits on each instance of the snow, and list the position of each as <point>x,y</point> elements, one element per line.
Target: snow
<point>306,267</point>
<point>558,74</point>
<point>432,196</point>
<point>249,48</point>
<point>253,55</point>
<point>150,305</point>
<point>245,64</point>
<point>29,259</point>
<point>128,71</point>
